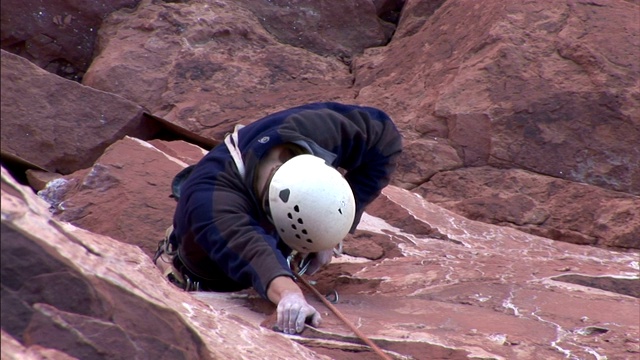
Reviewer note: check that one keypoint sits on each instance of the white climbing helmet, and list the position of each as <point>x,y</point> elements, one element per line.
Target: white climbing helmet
<point>311,204</point>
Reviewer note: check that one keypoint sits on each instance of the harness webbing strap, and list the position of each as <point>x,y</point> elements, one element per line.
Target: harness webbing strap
<point>231,141</point>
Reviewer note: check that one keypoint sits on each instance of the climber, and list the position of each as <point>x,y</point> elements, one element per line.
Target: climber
<point>294,182</point>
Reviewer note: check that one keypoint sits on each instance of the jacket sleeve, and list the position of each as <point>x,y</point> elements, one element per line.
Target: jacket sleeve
<point>365,141</point>
<point>219,214</point>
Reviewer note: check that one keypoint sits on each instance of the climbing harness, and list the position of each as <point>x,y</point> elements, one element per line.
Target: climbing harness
<point>168,254</point>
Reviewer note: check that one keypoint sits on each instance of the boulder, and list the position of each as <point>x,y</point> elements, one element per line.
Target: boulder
<point>323,28</point>
<point>126,193</point>
<point>58,36</point>
<point>546,206</point>
<point>208,65</point>
<point>58,124</point>
<point>537,86</point>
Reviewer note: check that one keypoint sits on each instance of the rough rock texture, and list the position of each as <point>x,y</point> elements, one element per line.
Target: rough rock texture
<point>521,126</point>
<point>323,28</point>
<point>443,287</point>
<point>534,85</point>
<point>57,124</point>
<point>12,349</point>
<point>542,205</point>
<point>57,35</point>
<point>530,86</point>
<point>125,194</point>
<point>93,297</point>
<point>208,65</point>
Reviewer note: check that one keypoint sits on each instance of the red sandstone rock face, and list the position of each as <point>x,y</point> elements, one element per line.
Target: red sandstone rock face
<point>57,124</point>
<point>71,294</point>
<point>324,28</point>
<point>539,86</point>
<point>125,194</point>
<point>208,65</point>
<point>521,117</point>
<point>469,84</point>
<point>545,206</point>
<point>57,35</point>
<point>438,286</point>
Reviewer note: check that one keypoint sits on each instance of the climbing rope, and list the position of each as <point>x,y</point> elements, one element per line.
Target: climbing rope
<point>328,304</point>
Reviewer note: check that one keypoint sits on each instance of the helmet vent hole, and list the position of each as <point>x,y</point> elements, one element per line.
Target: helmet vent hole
<point>296,208</point>
<point>281,230</point>
<point>293,226</point>
<point>340,211</point>
<point>284,195</point>
<point>304,231</point>
<point>297,236</point>
<point>290,216</point>
<point>300,221</point>
<point>309,241</point>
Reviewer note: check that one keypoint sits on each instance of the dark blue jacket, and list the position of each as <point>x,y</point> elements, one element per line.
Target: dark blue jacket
<point>223,232</point>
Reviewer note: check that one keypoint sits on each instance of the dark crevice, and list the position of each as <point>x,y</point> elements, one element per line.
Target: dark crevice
<point>390,11</point>
<point>65,69</point>
<point>168,131</point>
<point>17,167</point>
<point>151,128</point>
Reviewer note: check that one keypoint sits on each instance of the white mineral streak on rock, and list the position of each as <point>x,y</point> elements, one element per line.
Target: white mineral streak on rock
<point>560,335</point>
<point>380,226</point>
<point>500,339</point>
<point>508,304</point>
<point>147,145</point>
<point>344,258</point>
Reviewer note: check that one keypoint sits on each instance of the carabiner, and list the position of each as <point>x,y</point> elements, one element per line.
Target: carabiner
<point>333,294</point>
